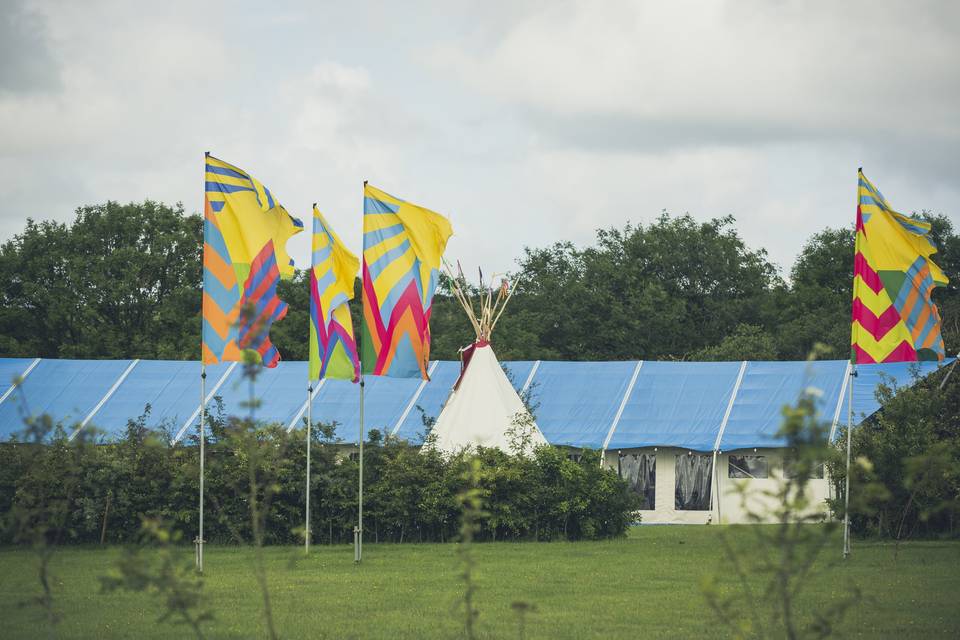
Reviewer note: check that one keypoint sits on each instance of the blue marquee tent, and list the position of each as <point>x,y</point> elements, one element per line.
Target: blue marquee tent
<point>701,406</point>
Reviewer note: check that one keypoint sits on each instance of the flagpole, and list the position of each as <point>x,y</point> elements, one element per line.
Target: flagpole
<point>846,494</point>
<point>358,532</point>
<point>306,528</point>
<point>203,415</point>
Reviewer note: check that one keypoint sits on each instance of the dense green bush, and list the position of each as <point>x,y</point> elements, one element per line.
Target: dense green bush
<point>905,471</point>
<point>409,494</point>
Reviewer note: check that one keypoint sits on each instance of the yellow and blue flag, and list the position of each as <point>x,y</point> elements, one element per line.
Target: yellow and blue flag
<point>245,232</point>
<point>333,351</point>
<point>402,249</point>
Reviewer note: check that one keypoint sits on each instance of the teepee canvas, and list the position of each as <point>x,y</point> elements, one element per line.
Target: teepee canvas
<point>483,408</point>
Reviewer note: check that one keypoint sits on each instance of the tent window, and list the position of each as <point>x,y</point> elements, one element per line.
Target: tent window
<point>640,472</point>
<point>747,467</point>
<point>692,491</point>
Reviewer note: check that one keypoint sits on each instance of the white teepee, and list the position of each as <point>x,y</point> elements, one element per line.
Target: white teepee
<point>483,407</point>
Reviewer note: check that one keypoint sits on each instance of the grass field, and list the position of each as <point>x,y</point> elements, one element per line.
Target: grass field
<point>646,585</point>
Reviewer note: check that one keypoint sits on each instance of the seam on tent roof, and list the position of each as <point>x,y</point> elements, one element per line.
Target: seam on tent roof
<point>726,414</point>
<point>623,405</point>
<point>106,396</point>
<point>303,407</point>
<point>413,400</point>
<point>23,376</point>
<point>196,412</point>
<point>529,380</point>
<point>843,392</point>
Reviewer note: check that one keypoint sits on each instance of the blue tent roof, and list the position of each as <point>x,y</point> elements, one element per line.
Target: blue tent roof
<point>617,405</point>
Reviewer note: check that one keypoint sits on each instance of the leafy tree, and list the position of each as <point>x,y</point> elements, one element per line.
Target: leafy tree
<point>816,308</point>
<point>908,479</point>
<point>660,290</point>
<point>121,282</point>
<point>747,342</point>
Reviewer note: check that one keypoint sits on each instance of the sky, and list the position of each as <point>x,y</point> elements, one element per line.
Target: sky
<point>525,122</point>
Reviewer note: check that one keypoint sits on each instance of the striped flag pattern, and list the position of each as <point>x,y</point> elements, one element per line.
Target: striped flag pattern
<point>893,317</point>
<point>402,249</point>
<point>333,351</point>
<point>245,232</point>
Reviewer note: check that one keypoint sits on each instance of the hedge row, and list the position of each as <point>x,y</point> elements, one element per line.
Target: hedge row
<point>93,492</point>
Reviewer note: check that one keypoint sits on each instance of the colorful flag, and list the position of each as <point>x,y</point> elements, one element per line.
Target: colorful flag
<point>894,319</point>
<point>333,351</point>
<point>402,248</point>
<point>245,232</point>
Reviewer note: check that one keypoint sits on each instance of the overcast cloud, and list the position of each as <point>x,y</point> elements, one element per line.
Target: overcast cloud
<point>525,122</point>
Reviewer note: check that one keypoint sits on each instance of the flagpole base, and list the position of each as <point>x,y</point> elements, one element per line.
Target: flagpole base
<point>357,544</point>
<point>198,552</point>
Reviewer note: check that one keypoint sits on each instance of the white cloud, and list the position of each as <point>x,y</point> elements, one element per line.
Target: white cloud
<point>526,122</point>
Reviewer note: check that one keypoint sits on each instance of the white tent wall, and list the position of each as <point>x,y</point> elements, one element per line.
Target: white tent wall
<point>732,508</point>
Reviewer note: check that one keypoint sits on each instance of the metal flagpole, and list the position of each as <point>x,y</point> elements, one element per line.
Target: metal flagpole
<point>203,415</point>
<point>846,494</point>
<point>306,530</point>
<point>943,382</point>
<point>358,531</point>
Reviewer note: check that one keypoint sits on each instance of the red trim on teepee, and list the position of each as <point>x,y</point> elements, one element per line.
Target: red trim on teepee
<point>465,355</point>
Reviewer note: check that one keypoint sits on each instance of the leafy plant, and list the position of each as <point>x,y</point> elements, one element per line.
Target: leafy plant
<point>157,565</point>
<point>772,571</point>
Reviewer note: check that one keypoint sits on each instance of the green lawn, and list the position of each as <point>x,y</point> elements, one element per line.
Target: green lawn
<point>646,585</point>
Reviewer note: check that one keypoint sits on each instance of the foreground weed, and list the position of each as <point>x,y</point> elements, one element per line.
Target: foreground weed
<point>471,505</point>
<point>159,566</point>
<point>41,515</point>
<point>771,572</point>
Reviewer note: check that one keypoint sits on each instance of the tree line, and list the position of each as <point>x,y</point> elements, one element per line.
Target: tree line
<point>124,280</point>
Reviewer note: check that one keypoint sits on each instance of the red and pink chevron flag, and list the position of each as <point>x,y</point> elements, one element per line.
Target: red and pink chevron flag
<point>894,318</point>
<point>402,249</point>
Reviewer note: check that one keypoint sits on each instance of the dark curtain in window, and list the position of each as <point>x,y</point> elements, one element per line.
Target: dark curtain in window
<point>693,482</point>
<point>640,472</point>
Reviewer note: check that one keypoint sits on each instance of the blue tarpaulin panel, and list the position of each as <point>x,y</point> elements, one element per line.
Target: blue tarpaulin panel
<point>431,401</point>
<point>895,374</point>
<point>280,392</point>
<point>677,404</point>
<point>578,400</point>
<point>10,370</point>
<point>518,372</point>
<point>767,387</point>
<point>66,390</point>
<point>153,382</point>
<point>339,401</point>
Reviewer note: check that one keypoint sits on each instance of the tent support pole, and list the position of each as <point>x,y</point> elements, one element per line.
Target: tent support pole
<point>358,531</point>
<point>306,526</point>
<point>716,485</point>
<point>203,415</point>
<point>846,493</point>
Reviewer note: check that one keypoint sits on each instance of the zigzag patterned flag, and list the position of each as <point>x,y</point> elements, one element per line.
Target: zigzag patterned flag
<point>333,351</point>
<point>245,232</point>
<point>894,319</point>
<point>402,248</point>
